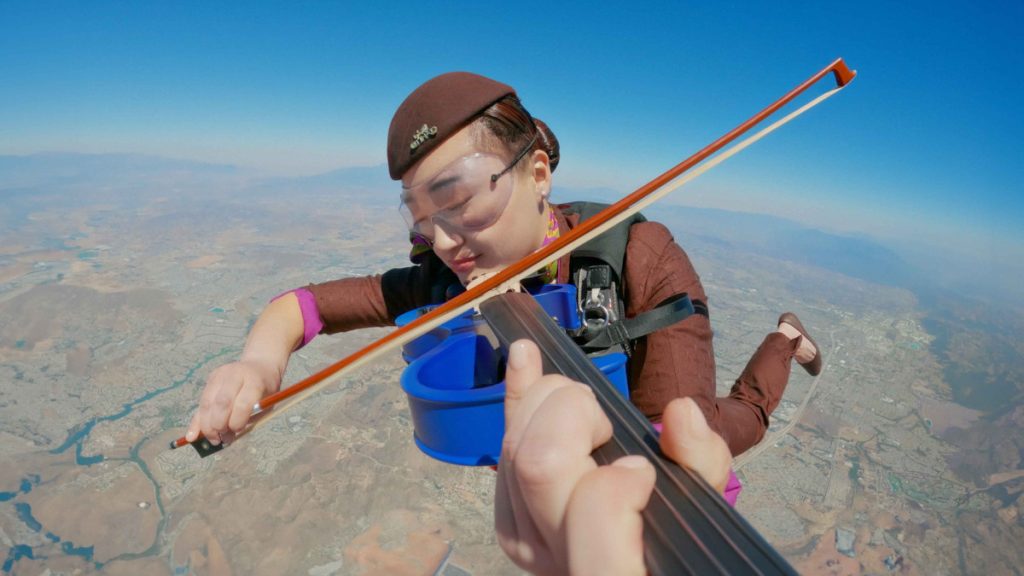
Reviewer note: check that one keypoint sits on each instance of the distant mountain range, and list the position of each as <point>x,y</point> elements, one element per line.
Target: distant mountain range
<point>368,185</point>
<point>855,256</point>
<point>59,168</point>
<point>113,175</point>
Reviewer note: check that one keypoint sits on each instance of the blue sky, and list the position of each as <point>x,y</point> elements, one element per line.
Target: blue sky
<point>923,147</point>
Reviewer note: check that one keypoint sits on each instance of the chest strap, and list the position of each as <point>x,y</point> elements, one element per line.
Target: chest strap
<point>623,332</point>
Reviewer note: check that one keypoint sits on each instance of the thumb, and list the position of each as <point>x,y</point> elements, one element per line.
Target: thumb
<point>689,441</point>
<point>193,428</point>
<point>524,368</point>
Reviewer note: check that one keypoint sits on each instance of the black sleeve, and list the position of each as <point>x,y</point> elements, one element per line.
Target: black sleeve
<point>407,288</point>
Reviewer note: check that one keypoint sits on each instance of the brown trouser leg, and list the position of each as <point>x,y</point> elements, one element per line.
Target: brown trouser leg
<point>742,417</point>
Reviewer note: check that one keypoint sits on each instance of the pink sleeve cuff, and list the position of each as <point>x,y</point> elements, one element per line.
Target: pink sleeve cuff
<point>732,487</point>
<point>311,322</point>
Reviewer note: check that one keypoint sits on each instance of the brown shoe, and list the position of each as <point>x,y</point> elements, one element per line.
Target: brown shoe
<point>813,367</point>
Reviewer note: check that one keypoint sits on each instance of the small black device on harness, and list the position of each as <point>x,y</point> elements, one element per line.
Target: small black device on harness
<point>596,271</point>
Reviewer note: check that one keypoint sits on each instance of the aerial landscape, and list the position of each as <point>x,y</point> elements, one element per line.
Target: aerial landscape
<point>168,169</point>
<point>115,305</point>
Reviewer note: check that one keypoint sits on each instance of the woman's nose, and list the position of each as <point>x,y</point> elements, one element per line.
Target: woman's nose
<point>445,239</point>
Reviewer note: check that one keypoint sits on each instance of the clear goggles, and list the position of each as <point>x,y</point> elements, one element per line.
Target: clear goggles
<point>465,196</point>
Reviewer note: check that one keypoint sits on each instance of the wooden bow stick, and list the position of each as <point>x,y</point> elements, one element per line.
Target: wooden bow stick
<point>582,233</point>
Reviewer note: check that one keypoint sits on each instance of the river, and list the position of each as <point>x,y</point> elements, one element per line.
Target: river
<point>76,438</point>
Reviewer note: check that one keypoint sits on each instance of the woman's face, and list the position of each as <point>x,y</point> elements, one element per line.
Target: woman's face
<point>517,231</point>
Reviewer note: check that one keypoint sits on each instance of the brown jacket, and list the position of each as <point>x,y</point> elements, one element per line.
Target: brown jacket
<point>673,362</point>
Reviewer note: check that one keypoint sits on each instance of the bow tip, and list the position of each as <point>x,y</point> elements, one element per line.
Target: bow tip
<point>842,72</point>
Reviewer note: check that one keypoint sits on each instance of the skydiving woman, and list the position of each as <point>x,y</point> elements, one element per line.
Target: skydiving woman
<point>476,174</point>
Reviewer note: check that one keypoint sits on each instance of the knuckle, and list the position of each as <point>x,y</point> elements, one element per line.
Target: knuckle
<point>507,544</point>
<point>237,424</point>
<point>575,401</point>
<point>223,399</point>
<point>238,421</point>
<point>253,388</point>
<point>539,466</point>
<point>508,447</point>
<point>521,553</point>
<point>513,393</point>
<point>206,400</point>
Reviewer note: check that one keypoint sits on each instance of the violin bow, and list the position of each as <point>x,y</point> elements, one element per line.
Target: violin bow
<point>509,278</point>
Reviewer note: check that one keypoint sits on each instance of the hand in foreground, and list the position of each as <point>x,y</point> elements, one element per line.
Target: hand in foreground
<point>556,511</point>
<point>227,401</point>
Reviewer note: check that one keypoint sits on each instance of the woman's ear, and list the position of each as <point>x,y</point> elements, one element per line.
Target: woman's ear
<point>541,173</point>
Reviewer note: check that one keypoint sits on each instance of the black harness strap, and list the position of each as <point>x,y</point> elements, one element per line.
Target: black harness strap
<point>623,332</point>
<point>596,270</point>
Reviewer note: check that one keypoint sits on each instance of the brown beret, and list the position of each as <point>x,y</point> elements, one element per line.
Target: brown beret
<point>437,109</point>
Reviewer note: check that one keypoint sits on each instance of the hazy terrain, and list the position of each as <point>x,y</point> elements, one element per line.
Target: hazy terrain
<point>125,280</point>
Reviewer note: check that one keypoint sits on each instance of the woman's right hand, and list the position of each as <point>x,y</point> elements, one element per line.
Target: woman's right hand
<point>233,389</point>
<point>227,401</point>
